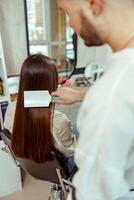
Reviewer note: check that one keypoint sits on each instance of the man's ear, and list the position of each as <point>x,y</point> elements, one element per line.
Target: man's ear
<point>96,6</point>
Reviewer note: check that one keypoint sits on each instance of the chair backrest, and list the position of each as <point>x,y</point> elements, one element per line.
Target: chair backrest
<point>45,171</point>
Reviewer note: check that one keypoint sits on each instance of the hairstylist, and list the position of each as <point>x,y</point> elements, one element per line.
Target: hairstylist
<point>104,154</point>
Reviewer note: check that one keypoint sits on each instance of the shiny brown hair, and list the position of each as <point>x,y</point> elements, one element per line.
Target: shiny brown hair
<point>32,138</point>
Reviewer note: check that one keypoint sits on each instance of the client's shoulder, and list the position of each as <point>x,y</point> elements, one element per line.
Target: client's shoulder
<point>61,118</point>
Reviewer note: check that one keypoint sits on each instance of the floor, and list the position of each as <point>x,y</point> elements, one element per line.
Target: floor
<point>33,189</point>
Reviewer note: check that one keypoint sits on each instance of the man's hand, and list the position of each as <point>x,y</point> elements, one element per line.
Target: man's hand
<point>68,96</point>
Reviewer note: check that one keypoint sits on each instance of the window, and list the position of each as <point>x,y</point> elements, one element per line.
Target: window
<point>49,32</point>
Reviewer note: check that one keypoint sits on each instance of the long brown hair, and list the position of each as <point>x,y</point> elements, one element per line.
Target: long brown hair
<point>31,137</point>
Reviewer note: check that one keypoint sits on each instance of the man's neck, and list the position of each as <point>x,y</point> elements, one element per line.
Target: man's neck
<point>121,39</point>
<point>118,45</point>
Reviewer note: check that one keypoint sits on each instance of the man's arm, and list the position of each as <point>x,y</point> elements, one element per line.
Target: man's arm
<point>68,96</point>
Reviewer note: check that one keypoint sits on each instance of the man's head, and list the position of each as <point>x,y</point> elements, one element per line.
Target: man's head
<point>98,21</point>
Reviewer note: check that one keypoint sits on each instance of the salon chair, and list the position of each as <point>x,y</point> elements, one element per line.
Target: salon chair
<point>54,171</point>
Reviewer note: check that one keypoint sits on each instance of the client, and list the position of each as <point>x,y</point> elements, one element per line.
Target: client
<point>37,131</point>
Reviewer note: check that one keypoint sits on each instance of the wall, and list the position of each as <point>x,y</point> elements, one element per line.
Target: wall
<point>12,27</point>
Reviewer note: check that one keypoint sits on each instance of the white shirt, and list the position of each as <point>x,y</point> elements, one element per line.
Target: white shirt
<point>64,139</point>
<point>105,150</point>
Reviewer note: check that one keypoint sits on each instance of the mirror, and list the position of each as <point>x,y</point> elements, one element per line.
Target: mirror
<point>49,32</point>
